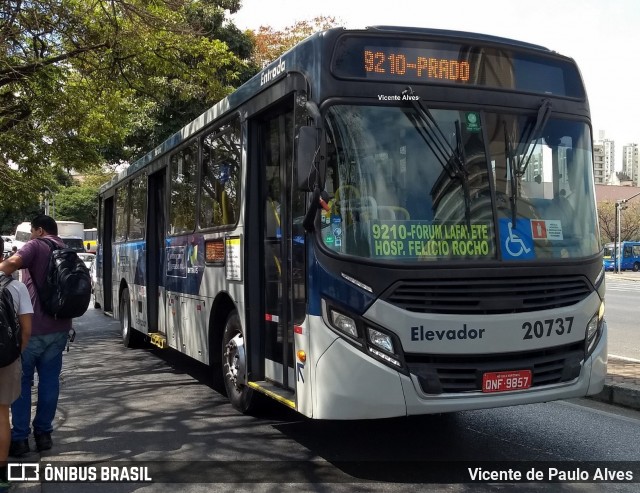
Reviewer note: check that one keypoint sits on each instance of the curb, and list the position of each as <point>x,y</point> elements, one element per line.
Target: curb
<point>622,394</point>
<point>622,276</point>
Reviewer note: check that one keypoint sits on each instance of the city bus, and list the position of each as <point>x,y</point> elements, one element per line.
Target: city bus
<point>630,256</point>
<point>382,222</point>
<point>91,239</point>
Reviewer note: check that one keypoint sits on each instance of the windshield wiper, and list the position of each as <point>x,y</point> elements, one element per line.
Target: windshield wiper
<point>452,160</point>
<point>508,152</point>
<point>519,160</point>
<point>463,175</point>
<point>527,143</point>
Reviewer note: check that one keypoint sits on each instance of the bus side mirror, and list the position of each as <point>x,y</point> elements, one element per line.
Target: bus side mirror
<point>311,163</point>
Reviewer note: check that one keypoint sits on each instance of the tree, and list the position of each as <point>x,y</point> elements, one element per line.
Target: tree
<point>629,221</point>
<point>13,214</point>
<point>271,43</point>
<point>82,82</point>
<point>79,202</point>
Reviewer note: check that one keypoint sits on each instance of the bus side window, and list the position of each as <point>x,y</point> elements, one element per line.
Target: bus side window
<point>220,177</point>
<point>183,190</point>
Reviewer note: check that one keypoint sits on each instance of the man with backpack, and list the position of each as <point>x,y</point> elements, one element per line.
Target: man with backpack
<point>48,339</point>
<point>15,330</point>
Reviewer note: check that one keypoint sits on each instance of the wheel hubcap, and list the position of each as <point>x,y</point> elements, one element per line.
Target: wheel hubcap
<point>236,362</point>
<point>125,321</point>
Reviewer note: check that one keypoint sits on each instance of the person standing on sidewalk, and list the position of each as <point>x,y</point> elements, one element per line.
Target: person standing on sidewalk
<point>10,376</point>
<point>44,351</point>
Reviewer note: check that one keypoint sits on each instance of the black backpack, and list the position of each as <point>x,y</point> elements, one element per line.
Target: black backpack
<point>66,291</point>
<point>10,338</point>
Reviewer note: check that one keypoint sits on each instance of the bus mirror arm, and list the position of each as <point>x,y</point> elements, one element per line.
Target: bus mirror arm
<point>314,112</point>
<point>320,198</point>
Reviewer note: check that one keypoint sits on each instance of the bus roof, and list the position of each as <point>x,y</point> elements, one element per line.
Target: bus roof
<point>466,35</point>
<point>300,63</point>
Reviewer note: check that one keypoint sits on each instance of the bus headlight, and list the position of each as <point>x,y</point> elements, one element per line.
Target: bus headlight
<point>374,341</point>
<point>594,329</point>
<point>383,341</point>
<point>344,324</point>
<point>381,345</point>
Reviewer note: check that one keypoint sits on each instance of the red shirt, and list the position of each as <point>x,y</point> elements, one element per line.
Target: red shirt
<point>35,262</point>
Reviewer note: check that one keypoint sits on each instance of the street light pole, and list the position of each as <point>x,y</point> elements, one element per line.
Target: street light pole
<point>617,248</point>
<point>48,193</point>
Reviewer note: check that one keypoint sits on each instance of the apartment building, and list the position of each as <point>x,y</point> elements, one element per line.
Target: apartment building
<point>631,163</point>
<point>600,174</point>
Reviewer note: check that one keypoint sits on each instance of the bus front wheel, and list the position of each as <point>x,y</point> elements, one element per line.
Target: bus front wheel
<point>234,365</point>
<point>636,266</point>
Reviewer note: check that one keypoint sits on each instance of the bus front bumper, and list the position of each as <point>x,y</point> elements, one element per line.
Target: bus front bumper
<point>350,385</point>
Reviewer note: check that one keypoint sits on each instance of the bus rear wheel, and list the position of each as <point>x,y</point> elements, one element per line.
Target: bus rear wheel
<point>234,365</point>
<point>130,337</point>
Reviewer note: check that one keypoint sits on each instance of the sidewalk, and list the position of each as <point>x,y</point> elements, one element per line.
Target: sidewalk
<point>622,385</point>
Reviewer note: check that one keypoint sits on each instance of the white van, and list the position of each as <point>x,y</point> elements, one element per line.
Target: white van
<point>23,234</point>
<point>8,243</point>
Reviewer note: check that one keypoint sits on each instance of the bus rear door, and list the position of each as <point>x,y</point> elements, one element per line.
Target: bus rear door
<point>155,258</point>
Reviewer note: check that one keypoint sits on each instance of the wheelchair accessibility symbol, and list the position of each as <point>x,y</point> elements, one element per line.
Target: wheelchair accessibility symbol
<point>517,242</point>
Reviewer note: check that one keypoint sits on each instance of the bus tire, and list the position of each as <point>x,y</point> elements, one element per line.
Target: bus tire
<point>234,369</point>
<point>130,337</point>
<point>636,266</point>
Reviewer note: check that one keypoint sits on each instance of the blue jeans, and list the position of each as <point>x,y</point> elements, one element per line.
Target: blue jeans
<point>44,354</point>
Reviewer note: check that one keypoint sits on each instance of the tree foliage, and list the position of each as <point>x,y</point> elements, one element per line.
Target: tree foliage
<point>271,43</point>
<point>79,202</point>
<point>629,221</point>
<point>84,84</point>
<point>88,82</point>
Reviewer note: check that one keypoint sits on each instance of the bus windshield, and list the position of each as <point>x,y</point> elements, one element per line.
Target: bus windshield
<point>407,188</point>
<point>609,251</point>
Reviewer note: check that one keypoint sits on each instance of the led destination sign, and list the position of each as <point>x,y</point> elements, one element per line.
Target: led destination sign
<point>410,62</point>
<point>449,62</point>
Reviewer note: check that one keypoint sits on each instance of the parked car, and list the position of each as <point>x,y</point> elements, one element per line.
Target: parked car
<point>87,258</point>
<point>93,274</point>
<point>8,243</point>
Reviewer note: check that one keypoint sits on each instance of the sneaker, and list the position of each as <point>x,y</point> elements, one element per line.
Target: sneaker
<point>43,441</point>
<point>19,447</point>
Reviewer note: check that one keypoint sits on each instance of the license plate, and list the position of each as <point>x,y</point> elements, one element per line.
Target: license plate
<point>503,381</point>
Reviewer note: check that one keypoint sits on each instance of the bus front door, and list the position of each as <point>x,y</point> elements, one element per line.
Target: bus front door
<point>277,154</point>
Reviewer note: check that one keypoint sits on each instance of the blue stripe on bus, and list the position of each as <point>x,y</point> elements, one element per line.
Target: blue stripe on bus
<point>125,256</point>
<point>182,258</point>
<point>324,284</point>
<point>184,263</point>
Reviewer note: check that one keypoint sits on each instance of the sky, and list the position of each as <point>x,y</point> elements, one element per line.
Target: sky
<point>603,36</point>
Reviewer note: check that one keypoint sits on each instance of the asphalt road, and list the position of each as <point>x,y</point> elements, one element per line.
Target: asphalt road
<point>157,406</point>
<point>622,313</point>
